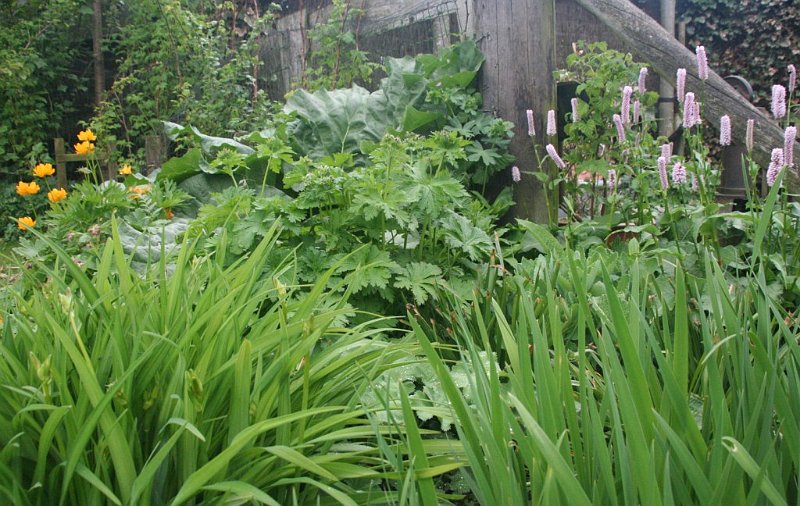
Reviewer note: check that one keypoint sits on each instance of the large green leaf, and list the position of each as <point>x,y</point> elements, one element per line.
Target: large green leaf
<point>341,120</point>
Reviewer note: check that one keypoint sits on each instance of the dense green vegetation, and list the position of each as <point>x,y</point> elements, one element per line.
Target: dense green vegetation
<point>316,302</point>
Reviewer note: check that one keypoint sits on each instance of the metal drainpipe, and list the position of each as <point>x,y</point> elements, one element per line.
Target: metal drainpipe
<point>666,110</point>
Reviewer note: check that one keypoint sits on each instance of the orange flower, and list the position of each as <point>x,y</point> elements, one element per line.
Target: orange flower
<point>25,222</point>
<point>44,170</point>
<point>87,136</point>
<point>84,148</point>
<point>168,213</point>
<point>126,170</point>
<point>141,189</point>
<point>26,189</point>
<point>56,195</point>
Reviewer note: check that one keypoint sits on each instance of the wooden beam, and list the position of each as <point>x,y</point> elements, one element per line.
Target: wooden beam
<point>666,55</point>
<point>518,39</point>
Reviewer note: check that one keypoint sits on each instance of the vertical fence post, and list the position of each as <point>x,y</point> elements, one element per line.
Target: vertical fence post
<point>518,39</point>
<point>153,152</point>
<point>61,162</point>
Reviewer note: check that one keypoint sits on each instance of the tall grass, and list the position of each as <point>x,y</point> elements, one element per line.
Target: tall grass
<point>197,383</point>
<point>661,388</point>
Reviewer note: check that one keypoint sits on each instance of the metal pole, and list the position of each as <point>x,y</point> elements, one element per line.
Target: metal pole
<point>666,110</point>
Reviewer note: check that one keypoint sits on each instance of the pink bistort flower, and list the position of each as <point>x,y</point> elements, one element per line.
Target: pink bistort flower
<point>662,172</point>
<point>788,145</point>
<point>551,122</point>
<point>702,63</point>
<point>551,150</point>
<point>775,166</point>
<point>778,101</point>
<point>531,129</point>
<point>625,110</point>
<point>680,84</point>
<point>725,130</point>
<point>678,173</point>
<point>642,80</point>
<point>620,128</point>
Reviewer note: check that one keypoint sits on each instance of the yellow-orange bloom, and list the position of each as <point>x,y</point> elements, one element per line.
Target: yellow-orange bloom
<point>87,136</point>
<point>84,148</point>
<point>44,170</point>
<point>141,189</point>
<point>168,213</point>
<point>56,195</point>
<point>25,222</point>
<point>26,189</point>
<point>126,170</point>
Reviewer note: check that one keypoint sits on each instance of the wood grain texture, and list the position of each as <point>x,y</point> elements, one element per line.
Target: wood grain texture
<point>517,37</point>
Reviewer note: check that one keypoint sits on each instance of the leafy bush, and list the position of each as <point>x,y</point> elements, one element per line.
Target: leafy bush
<point>40,84</point>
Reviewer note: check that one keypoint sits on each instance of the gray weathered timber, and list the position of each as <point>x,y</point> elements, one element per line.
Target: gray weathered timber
<point>666,55</point>
<point>518,39</point>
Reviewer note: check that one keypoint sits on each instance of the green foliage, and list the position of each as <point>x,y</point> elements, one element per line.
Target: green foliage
<point>335,61</point>
<point>200,383</point>
<point>622,378</point>
<point>179,63</point>
<point>592,147</point>
<point>41,83</point>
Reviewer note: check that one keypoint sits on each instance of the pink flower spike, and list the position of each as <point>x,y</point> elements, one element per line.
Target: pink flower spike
<point>662,172</point>
<point>788,145</point>
<point>725,130</point>
<point>688,111</point>
<point>678,173</point>
<point>775,166</point>
<point>680,84</point>
<point>702,63</point>
<point>666,150</point>
<point>551,150</point>
<point>778,101</point>
<point>695,184</point>
<point>625,110</point>
<point>696,115</point>
<point>792,77</point>
<point>574,103</point>
<point>515,175</point>
<point>642,80</point>
<point>551,122</point>
<point>611,178</point>
<point>748,137</point>
<point>620,128</point>
<point>531,129</point>
<point>637,111</point>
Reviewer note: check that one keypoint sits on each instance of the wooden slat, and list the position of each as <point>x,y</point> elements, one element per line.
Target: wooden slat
<point>518,39</point>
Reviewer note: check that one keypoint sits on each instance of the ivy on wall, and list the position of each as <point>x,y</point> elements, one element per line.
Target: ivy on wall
<point>755,39</point>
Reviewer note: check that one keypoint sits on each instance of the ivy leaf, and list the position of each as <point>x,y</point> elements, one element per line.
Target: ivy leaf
<point>421,278</point>
<point>461,234</point>
<point>370,267</point>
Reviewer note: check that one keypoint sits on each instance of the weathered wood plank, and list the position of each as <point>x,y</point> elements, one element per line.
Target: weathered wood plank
<point>517,37</point>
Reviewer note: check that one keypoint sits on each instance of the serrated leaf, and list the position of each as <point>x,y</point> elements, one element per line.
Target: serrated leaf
<point>461,234</point>
<point>370,267</point>
<point>421,278</point>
